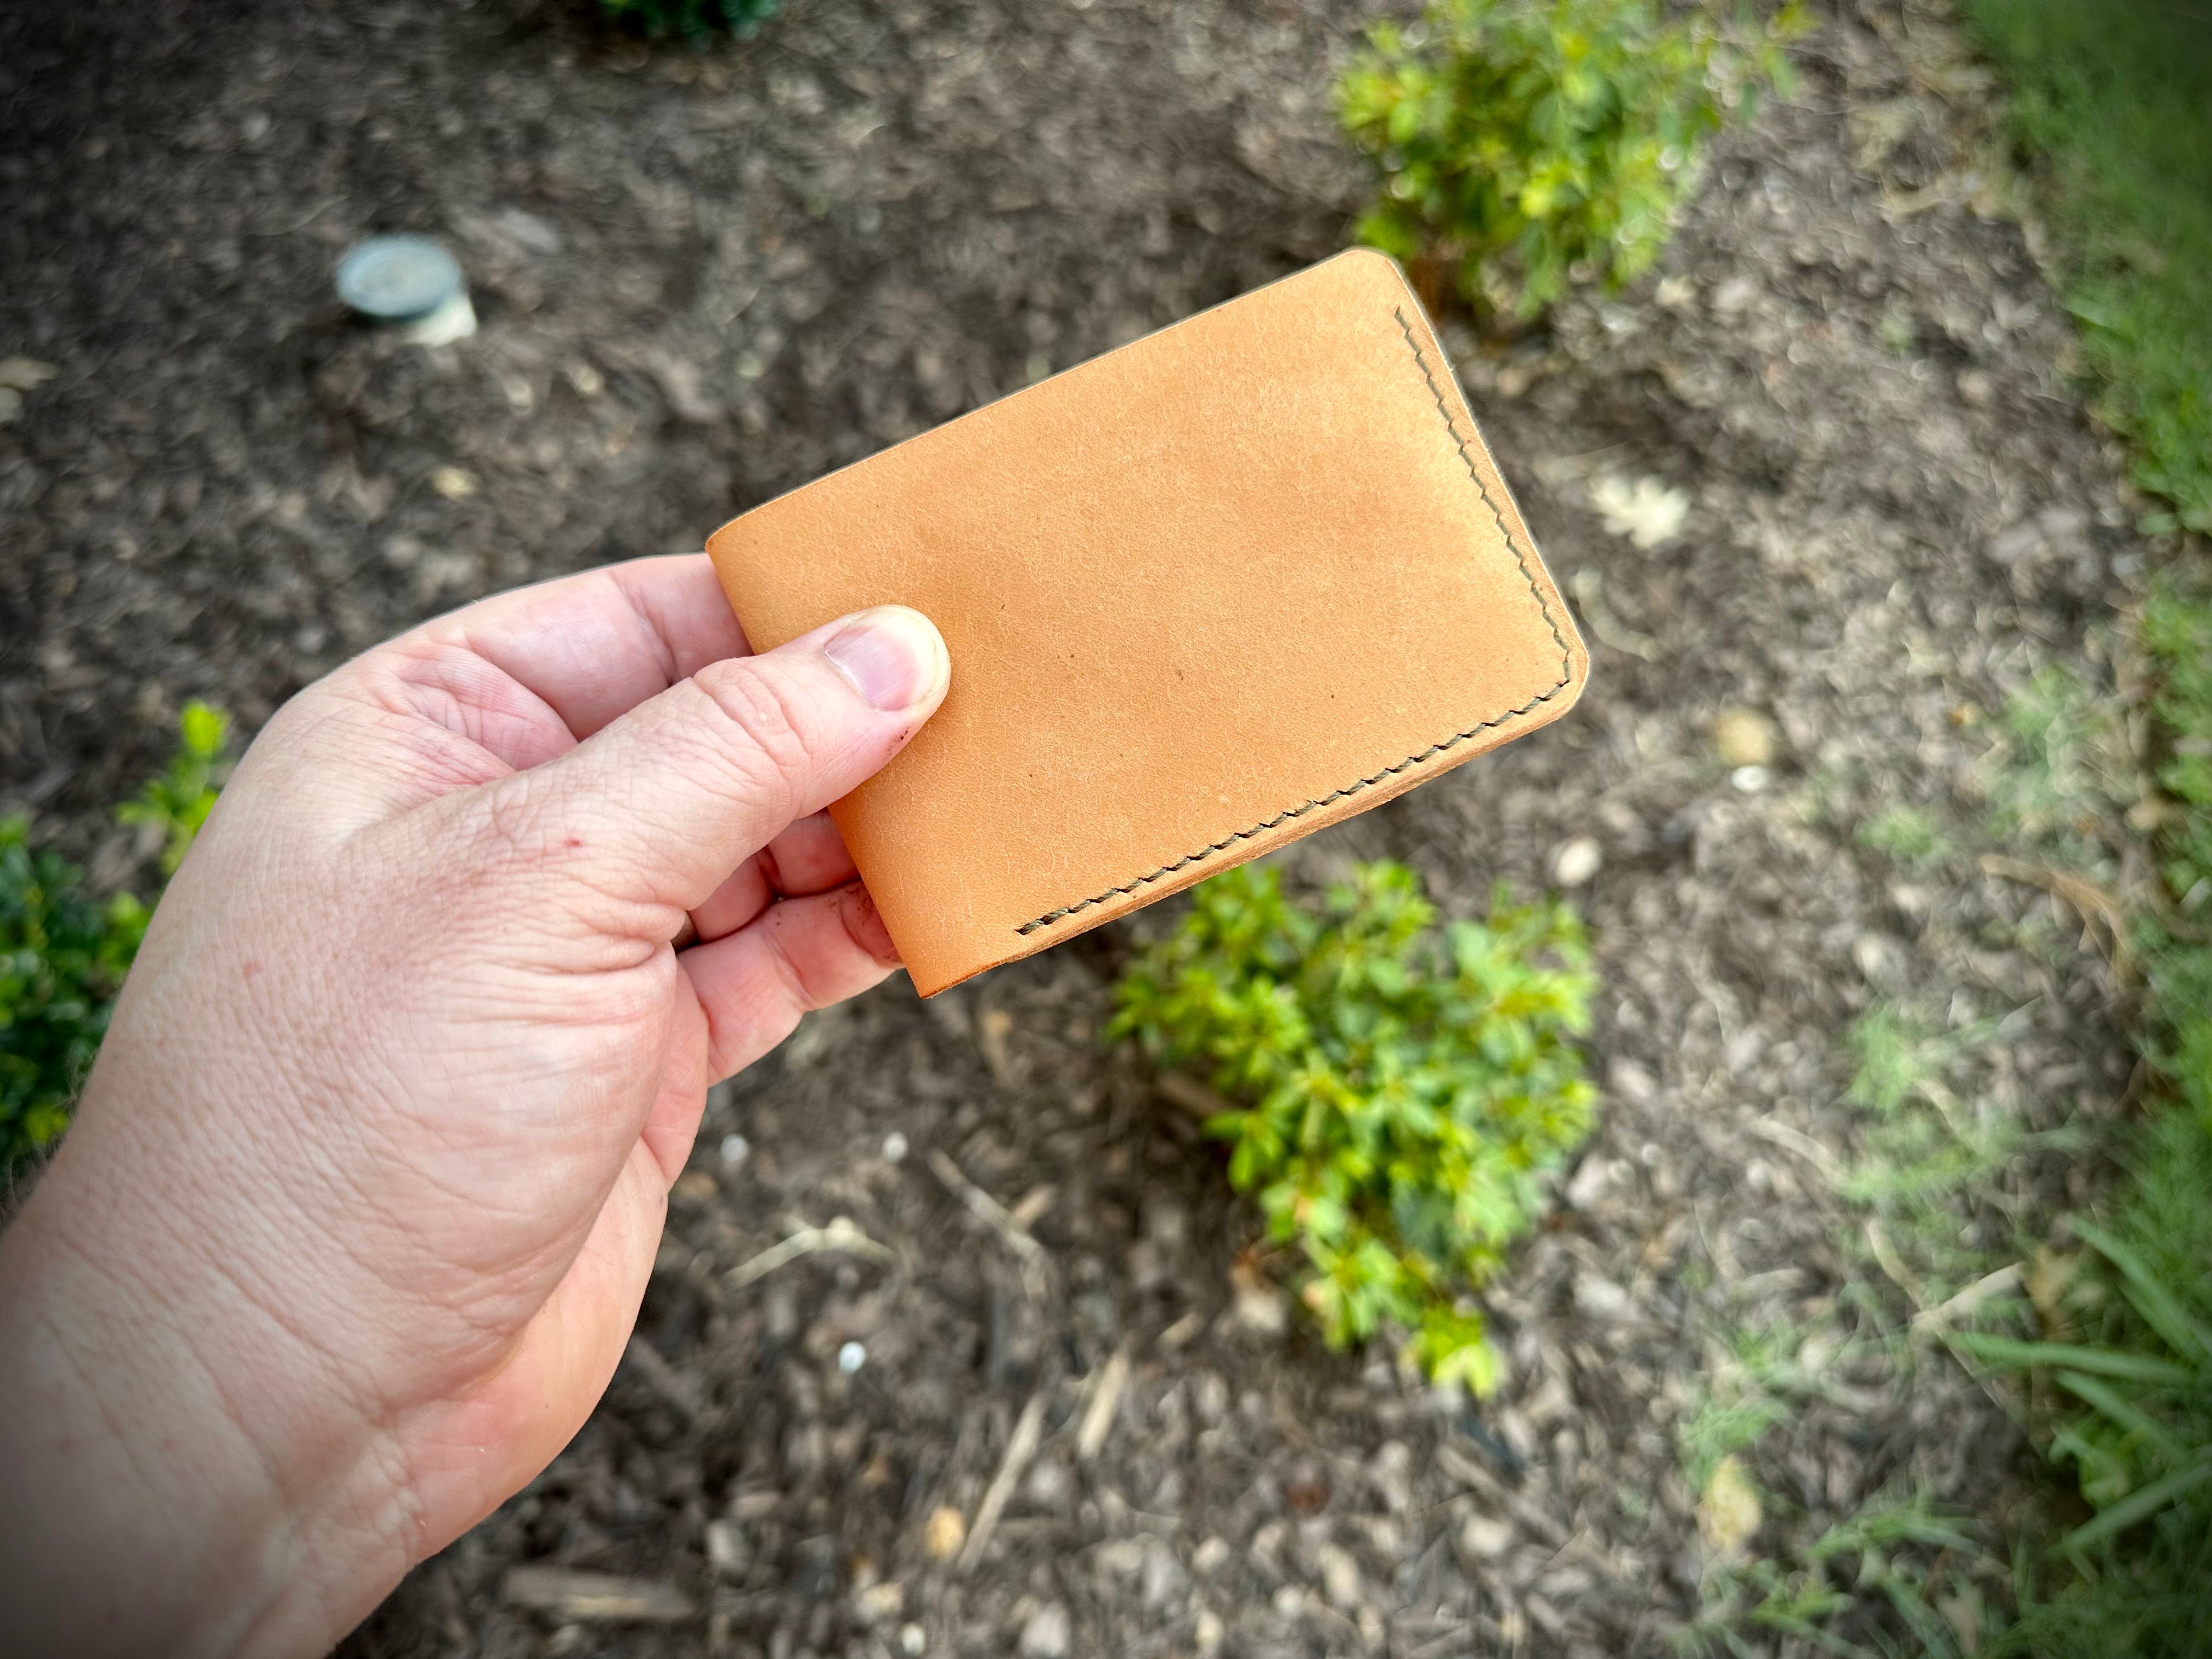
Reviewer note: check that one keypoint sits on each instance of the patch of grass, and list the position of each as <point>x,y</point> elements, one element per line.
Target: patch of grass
<point>1397,1094</point>
<point>2119,98</point>
<point>1900,1564</point>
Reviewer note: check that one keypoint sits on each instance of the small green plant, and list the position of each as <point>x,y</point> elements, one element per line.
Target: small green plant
<point>693,20</point>
<point>178,801</point>
<point>62,956</point>
<point>2061,770</point>
<point>1528,145</point>
<point>1397,1096</point>
<point>1906,834</point>
<point>61,960</point>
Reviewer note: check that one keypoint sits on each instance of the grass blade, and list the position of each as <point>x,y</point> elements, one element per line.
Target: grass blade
<point>2124,1413</point>
<point>2160,1308</point>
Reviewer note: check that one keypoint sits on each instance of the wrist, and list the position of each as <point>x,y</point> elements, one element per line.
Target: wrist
<point>156,1493</point>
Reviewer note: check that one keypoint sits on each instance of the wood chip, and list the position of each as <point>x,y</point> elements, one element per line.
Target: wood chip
<point>1105,1399</point>
<point>596,1597</point>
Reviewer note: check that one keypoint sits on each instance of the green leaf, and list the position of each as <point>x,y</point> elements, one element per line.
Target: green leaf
<point>2005,1352</point>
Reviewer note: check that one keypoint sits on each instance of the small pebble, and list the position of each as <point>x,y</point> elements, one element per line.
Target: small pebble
<point>914,1641</point>
<point>1750,780</point>
<point>895,1147</point>
<point>944,1533</point>
<point>1577,861</point>
<point>1046,1635</point>
<point>736,1149</point>
<point>1484,1538</point>
<point>851,1357</point>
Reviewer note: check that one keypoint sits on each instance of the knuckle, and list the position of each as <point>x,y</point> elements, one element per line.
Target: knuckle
<point>769,725</point>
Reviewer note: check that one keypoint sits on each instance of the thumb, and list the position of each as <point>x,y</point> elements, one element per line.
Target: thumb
<point>661,805</point>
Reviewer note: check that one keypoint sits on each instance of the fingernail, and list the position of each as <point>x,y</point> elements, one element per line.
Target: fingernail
<point>892,656</point>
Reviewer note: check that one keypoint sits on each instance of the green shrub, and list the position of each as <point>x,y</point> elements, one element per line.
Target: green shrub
<point>695,19</point>
<point>62,956</point>
<point>1525,145</point>
<point>1396,1097</point>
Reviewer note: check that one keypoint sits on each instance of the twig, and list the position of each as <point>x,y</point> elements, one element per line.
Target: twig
<point>1019,1449</point>
<point>1105,1398</point>
<point>596,1595</point>
<point>2090,902</point>
<point>1804,1145</point>
<point>1015,1236</point>
<point>1181,1089</point>
<point>838,1235</point>
<point>1886,1257</point>
<point>2004,1279</point>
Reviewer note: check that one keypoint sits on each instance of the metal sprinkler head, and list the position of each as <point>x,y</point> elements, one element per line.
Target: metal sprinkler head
<point>411,284</point>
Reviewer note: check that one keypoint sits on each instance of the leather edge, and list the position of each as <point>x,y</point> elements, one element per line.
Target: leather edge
<point>1019,945</point>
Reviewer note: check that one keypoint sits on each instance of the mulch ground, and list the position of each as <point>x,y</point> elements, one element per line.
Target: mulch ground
<point>707,277</point>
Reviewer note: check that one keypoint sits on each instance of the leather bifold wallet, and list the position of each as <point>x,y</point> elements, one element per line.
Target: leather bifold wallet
<point>1205,594</point>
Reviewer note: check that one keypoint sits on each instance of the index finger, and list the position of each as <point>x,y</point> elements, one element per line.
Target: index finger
<point>594,646</point>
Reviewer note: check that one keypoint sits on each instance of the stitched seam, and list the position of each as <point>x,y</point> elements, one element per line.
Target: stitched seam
<point>1520,559</point>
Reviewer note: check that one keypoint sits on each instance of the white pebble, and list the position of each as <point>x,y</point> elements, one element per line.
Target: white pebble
<point>1577,861</point>
<point>893,1147</point>
<point>851,1357</point>
<point>1750,780</point>
<point>736,1149</point>
<point>914,1641</point>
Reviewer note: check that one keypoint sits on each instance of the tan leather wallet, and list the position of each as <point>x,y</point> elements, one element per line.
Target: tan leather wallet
<point>1205,594</point>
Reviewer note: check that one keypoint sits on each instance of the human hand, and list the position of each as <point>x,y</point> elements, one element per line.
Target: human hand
<point>365,1188</point>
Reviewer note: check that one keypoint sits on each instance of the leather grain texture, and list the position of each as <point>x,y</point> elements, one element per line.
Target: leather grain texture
<point>1205,594</point>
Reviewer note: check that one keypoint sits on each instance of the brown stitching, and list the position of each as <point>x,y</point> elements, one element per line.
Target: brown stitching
<point>1566,673</point>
